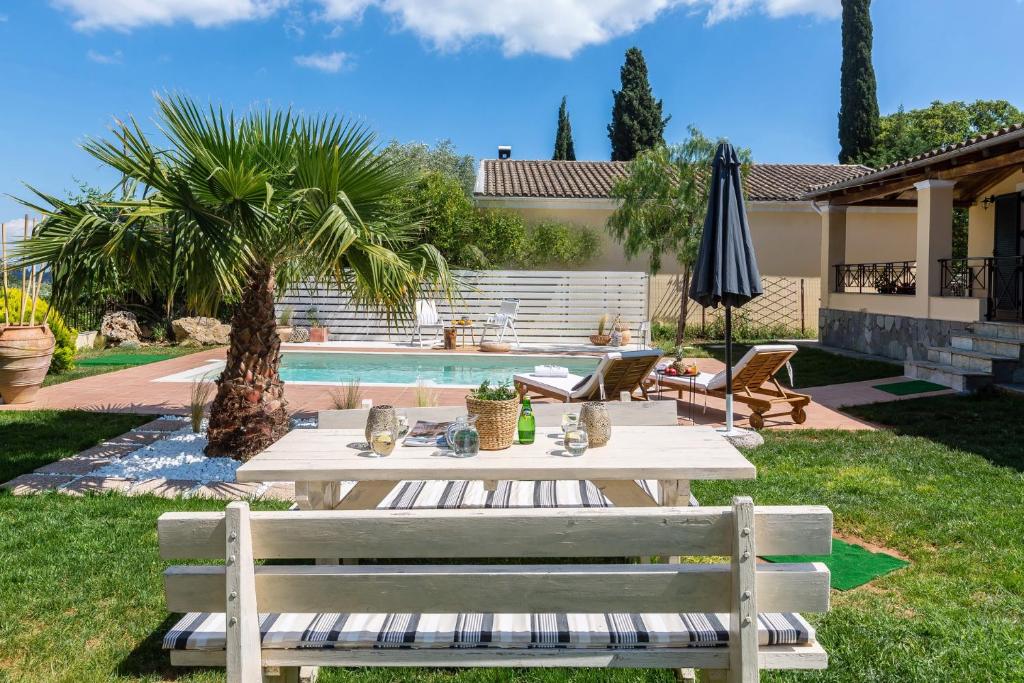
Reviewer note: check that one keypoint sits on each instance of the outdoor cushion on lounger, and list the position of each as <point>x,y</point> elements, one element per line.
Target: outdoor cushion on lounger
<point>205,631</point>
<point>617,371</point>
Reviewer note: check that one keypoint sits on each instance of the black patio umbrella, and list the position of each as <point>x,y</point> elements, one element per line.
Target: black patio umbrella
<point>726,269</point>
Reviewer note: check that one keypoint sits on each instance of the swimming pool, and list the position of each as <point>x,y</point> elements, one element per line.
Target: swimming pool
<point>402,369</point>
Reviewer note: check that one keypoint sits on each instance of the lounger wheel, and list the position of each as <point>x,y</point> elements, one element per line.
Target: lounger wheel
<point>799,415</point>
<point>757,420</point>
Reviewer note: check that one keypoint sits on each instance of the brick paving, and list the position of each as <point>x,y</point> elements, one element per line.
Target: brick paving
<point>134,390</point>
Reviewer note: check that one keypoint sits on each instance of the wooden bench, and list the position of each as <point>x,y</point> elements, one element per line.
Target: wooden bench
<point>728,619</point>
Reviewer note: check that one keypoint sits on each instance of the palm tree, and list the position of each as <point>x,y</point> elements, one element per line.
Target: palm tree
<point>239,209</point>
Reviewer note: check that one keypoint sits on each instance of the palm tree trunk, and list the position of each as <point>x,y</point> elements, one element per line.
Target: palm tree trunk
<point>249,412</point>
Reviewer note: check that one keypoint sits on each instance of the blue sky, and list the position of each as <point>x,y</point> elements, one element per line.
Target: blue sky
<point>765,73</point>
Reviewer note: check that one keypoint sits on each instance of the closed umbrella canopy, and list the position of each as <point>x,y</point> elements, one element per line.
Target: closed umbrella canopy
<point>726,269</point>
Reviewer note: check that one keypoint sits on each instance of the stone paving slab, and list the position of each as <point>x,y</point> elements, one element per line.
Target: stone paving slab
<point>135,439</point>
<point>161,425</point>
<point>283,491</point>
<point>164,488</point>
<point>93,484</point>
<point>76,465</point>
<point>108,450</point>
<point>227,490</point>
<point>30,483</point>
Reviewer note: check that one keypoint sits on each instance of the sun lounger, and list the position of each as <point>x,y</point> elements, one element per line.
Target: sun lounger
<point>617,372</point>
<point>753,383</point>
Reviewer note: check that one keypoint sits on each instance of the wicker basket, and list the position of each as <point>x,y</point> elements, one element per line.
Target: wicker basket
<point>496,422</point>
<point>600,339</point>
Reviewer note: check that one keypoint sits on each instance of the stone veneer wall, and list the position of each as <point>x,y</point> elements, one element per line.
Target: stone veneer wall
<point>894,336</point>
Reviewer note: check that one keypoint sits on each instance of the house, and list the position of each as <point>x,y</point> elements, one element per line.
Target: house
<point>785,225</point>
<point>953,320</point>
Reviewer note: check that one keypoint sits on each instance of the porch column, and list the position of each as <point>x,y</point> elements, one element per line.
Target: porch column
<point>833,248</point>
<point>934,237</point>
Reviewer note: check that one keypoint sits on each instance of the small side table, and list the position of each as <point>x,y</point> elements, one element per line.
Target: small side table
<point>691,389</point>
<point>462,330</point>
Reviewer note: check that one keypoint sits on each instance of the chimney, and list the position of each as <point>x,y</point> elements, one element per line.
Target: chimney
<point>504,151</point>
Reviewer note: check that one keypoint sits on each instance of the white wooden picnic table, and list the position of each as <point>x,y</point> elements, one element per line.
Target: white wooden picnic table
<point>318,460</point>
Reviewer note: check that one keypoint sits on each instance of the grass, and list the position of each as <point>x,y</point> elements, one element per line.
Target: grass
<point>82,601</point>
<point>120,359</point>
<point>31,439</point>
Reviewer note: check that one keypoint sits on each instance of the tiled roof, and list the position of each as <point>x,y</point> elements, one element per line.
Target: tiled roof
<point>932,155</point>
<point>594,179</point>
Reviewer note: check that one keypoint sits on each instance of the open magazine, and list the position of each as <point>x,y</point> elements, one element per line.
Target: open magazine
<point>427,434</point>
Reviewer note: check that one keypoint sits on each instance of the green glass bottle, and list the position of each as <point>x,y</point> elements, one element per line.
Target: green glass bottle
<point>527,423</point>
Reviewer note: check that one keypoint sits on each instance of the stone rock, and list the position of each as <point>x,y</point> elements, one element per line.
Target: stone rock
<point>200,331</point>
<point>744,438</point>
<point>120,326</point>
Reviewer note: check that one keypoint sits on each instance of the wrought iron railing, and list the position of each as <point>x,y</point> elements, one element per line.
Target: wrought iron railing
<point>891,277</point>
<point>997,279</point>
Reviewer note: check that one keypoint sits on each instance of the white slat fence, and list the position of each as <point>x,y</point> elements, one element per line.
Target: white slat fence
<point>555,306</point>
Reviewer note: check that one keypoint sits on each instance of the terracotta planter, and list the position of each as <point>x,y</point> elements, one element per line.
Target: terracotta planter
<point>284,332</point>
<point>25,353</point>
<point>318,334</point>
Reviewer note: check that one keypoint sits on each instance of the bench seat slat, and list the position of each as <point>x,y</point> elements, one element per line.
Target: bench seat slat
<point>555,533</point>
<point>501,588</point>
<point>205,631</point>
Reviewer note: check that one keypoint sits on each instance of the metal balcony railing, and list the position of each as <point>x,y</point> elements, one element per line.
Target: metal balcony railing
<point>997,279</point>
<point>889,277</point>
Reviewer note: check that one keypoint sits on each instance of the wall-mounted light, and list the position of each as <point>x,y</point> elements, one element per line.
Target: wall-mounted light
<point>991,199</point>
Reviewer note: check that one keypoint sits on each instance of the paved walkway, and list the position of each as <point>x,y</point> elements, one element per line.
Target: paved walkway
<point>133,390</point>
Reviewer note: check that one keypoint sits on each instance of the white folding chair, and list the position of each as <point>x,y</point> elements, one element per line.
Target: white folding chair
<point>427,318</point>
<point>503,320</point>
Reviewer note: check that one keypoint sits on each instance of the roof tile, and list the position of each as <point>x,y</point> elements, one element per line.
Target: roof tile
<point>594,179</point>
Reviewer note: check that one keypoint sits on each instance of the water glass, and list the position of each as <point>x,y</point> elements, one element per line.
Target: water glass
<point>569,421</point>
<point>576,442</point>
<point>382,441</point>
<point>402,424</point>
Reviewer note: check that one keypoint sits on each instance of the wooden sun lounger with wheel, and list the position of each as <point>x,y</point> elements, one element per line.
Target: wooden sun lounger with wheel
<point>753,384</point>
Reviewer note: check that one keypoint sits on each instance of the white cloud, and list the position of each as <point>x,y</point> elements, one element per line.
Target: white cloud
<point>328,62</point>
<point>129,14</point>
<point>101,58</point>
<point>557,28</point>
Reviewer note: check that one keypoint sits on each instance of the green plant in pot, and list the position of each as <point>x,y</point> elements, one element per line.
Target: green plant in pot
<point>602,338</point>
<point>284,324</point>
<point>317,331</point>
<point>497,411</point>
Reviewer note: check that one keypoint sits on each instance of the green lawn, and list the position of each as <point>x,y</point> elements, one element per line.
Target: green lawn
<point>31,439</point>
<point>81,596</point>
<point>814,368</point>
<point>89,363</point>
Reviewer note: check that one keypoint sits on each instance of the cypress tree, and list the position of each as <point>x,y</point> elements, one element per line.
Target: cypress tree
<point>858,108</point>
<point>637,122</point>
<point>564,148</point>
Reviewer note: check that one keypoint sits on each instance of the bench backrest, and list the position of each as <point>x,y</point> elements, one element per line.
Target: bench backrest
<point>650,413</point>
<point>739,587</point>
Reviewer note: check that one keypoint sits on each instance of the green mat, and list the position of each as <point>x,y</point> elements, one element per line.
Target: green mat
<point>914,386</point>
<point>125,359</point>
<point>851,565</point>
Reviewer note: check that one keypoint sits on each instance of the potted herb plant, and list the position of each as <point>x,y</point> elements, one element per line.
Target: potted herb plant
<point>284,324</point>
<point>601,338</point>
<point>497,408</point>
<point>317,331</point>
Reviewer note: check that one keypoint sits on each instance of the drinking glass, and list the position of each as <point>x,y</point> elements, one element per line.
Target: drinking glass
<point>382,441</point>
<point>402,424</point>
<point>569,421</point>
<point>576,442</point>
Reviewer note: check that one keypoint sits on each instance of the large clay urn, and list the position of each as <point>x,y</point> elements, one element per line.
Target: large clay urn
<point>25,353</point>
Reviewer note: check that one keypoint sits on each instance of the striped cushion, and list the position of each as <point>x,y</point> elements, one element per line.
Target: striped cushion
<point>507,494</point>
<point>205,631</point>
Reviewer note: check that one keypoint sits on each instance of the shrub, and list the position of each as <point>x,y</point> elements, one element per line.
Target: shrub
<point>348,397</point>
<point>64,353</point>
<point>560,244</point>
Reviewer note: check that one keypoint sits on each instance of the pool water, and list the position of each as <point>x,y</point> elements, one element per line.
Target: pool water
<point>408,368</point>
